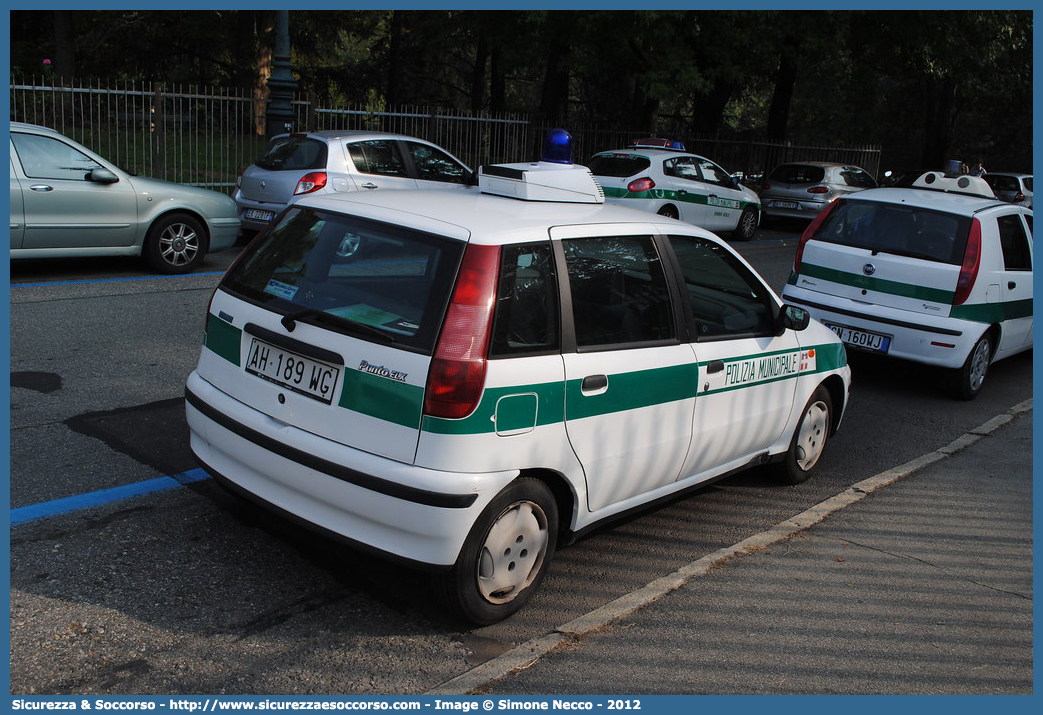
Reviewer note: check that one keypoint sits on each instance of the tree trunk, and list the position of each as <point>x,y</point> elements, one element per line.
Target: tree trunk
<point>64,46</point>
<point>938,122</point>
<point>395,49</point>
<point>778,114</point>
<point>554,104</point>
<point>497,81</point>
<point>481,61</point>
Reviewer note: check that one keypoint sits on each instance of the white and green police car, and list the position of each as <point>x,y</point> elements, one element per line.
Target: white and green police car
<point>661,177</point>
<point>464,380</point>
<point>940,273</point>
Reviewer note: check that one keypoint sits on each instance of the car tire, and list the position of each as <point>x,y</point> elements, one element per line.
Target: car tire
<point>747,226</point>
<point>175,243</point>
<point>505,556</point>
<point>809,439</point>
<point>968,380</point>
<point>669,211</point>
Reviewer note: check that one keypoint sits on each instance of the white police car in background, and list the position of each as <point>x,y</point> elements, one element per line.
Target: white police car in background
<point>461,380</point>
<point>660,176</point>
<point>940,273</point>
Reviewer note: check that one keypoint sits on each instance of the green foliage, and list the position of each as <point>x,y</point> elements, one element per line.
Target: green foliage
<point>924,83</point>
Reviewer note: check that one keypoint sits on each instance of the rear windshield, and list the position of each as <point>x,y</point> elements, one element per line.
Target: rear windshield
<point>372,280</point>
<point>900,230</point>
<point>294,154</point>
<point>619,166</point>
<point>798,174</point>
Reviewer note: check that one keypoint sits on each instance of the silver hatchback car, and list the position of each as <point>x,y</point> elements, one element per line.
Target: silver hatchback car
<point>330,162</point>
<point>1011,187</point>
<point>802,189</point>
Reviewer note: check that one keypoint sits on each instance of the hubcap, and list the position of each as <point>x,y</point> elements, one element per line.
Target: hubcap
<point>749,225</point>
<point>812,438</point>
<point>513,552</point>
<point>178,244</point>
<point>979,364</point>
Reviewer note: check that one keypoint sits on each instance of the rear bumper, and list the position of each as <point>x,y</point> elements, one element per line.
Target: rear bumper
<point>932,340</point>
<point>243,205</point>
<point>376,503</point>
<point>806,210</point>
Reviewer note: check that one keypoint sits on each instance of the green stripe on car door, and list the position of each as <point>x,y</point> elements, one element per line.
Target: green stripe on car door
<point>669,195</point>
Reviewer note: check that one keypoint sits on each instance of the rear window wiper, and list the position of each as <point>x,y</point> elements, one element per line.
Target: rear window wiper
<point>906,253</point>
<point>289,321</point>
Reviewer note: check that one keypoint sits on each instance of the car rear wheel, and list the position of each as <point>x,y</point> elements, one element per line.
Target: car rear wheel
<point>747,225</point>
<point>967,380</point>
<point>505,556</point>
<point>669,212</point>
<point>176,243</point>
<point>809,439</point>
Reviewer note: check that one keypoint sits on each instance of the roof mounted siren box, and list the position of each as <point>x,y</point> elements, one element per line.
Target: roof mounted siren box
<point>655,143</point>
<point>953,181</point>
<point>553,178</point>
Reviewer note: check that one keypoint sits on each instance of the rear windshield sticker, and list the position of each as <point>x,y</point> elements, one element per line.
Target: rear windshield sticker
<point>280,289</point>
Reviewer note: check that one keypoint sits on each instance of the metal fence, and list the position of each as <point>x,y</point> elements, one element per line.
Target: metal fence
<point>205,136</point>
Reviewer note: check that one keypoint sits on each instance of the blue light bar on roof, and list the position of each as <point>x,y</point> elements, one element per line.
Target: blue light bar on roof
<point>557,147</point>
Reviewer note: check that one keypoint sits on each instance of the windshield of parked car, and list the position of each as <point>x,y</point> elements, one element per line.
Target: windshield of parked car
<point>619,166</point>
<point>361,277</point>
<point>798,174</point>
<point>294,154</point>
<point>897,229</point>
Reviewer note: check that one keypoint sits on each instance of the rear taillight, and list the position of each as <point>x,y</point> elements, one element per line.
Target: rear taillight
<point>970,266</point>
<point>809,232</point>
<point>310,182</point>
<point>457,375</point>
<point>1019,197</point>
<point>818,190</point>
<point>638,185</point>
<point>765,186</point>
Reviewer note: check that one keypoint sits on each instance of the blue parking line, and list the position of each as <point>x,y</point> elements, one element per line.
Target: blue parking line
<point>48,509</point>
<point>111,280</point>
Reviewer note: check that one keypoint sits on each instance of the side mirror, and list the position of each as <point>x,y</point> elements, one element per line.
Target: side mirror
<point>793,318</point>
<point>102,175</point>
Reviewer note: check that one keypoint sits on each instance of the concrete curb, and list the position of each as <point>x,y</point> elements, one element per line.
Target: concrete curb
<point>524,655</point>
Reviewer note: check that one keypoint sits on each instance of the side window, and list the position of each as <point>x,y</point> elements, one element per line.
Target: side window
<point>432,164</point>
<point>619,292</point>
<point>714,174</point>
<point>1017,254</point>
<point>683,167</point>
<point>856,177</point>
<point>47,158</point>
<point>727,299</point>
<point>526,319</point>
<point>377,157</point>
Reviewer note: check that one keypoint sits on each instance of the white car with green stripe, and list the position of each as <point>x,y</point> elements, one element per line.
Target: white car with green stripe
<point>657,176</point>
<point>940,273</point>
<point>464,380</point>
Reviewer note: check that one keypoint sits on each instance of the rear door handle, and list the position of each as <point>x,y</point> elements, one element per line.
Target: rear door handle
<point>370,185</point>
<point>594,383</point>
<point>1011,285</point>
<point>714,366</point>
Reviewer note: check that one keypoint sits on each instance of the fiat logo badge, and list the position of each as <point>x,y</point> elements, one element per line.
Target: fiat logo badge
<point>869,269</point>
